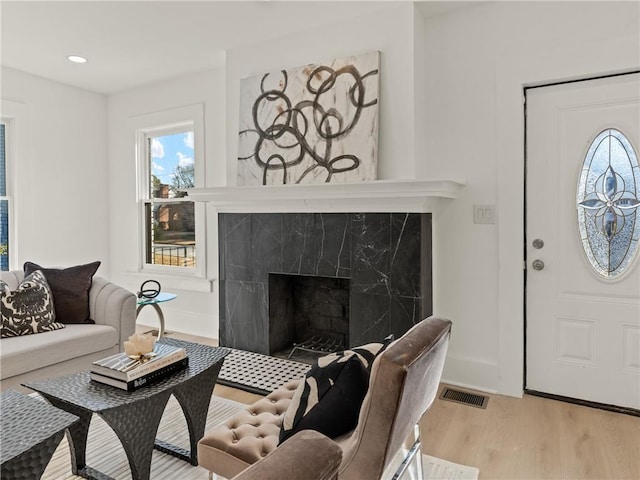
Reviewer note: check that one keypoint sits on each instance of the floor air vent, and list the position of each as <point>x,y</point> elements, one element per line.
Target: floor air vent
<point>465,398</point>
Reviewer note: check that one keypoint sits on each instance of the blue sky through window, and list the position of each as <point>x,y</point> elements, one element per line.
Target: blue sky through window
<point>169,151</point>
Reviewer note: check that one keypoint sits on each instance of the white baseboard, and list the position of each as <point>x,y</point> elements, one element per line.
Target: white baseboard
<point>471,373</point>
<point>180,321</point>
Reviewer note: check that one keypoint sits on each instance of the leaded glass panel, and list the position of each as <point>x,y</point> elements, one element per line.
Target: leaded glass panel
<point>608,201</point>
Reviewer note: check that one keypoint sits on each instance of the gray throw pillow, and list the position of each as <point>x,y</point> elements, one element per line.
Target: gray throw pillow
<point>70,287</point>
<point>28,309</point>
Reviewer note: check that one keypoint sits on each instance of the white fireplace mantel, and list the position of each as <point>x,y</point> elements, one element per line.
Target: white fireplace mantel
<point>377,196</point>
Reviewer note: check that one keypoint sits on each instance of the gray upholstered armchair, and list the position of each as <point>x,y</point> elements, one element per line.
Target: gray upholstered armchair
<point>307,455</point>
<point>403,385</point>
<point>73,348</point>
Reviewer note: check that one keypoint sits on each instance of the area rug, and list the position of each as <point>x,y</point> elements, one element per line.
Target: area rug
<point>433,468</point>
<point>257,373</point>
<point>439,469</point>
<point>105,453</point>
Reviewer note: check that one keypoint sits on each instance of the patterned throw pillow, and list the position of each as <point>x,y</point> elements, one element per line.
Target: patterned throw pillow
<point>28,309</point>
<point>330,397</point>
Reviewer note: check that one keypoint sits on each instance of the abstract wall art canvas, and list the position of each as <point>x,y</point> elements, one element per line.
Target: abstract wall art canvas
<point>312,124</point>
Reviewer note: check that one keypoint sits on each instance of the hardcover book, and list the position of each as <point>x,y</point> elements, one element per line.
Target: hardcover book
<point>147,379</point>
<point>121,367</point>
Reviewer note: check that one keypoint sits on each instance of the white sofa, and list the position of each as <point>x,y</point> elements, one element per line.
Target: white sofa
<point>73,348</point>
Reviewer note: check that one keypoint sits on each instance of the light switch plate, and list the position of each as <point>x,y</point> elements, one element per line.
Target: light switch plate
<point>484,214</point>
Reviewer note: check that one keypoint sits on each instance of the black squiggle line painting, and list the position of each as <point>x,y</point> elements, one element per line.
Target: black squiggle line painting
<point>313,124</point>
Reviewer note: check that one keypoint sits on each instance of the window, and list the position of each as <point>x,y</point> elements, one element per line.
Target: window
<point>5,200</point>
<point>608,201</point>
<point>172,226</point>
<point>169,220</point>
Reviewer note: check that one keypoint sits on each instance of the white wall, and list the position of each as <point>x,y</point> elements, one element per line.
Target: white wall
<point>195,310</point>
<point>61,186</point>
<point>450,106</point>
<point>478,61</point>
<point>442,115</point>
<point>389,31</point>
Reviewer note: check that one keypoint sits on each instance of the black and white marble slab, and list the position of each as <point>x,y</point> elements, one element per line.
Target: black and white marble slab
<point>386,257</point>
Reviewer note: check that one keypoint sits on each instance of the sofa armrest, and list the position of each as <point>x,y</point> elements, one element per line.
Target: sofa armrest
<point>110,304</point>
<point>12,278</point>
<point>307,454</point>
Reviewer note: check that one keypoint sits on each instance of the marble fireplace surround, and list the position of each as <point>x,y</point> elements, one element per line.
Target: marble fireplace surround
<point>377,234</point>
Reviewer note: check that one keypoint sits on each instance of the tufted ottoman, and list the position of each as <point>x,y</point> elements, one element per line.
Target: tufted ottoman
<point>248,436</point>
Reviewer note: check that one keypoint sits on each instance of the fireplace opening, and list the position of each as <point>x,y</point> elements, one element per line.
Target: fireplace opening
<point>308,315</point>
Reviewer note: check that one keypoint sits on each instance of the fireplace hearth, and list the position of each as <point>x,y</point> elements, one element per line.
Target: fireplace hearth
<point>361,276</point>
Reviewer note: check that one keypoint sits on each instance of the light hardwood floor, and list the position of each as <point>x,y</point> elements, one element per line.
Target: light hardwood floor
<point>522,438</point>
<point>534,438</point>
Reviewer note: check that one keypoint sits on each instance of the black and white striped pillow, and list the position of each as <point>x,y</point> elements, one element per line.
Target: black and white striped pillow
<point>28,309</point>
<point>330,397</point>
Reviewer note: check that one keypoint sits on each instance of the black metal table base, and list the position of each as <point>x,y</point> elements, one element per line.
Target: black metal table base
<point>31,432</point>
<point>92,474</point>
<point>135,426</point>
<point>178,452</point>
<point>33,463</point>
<point>136,423</point>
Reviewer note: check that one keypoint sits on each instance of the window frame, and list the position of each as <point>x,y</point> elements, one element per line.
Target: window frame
<point>166,123</point>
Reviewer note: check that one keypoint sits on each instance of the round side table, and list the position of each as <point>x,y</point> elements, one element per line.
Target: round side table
<point>155,303</point>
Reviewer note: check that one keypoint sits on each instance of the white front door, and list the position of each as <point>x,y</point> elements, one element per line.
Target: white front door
<point>583,237</point>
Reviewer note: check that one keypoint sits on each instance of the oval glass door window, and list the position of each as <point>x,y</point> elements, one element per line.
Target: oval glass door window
<point>608,203</point>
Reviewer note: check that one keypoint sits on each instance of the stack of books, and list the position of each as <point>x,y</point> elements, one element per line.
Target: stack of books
<point>128,374</point>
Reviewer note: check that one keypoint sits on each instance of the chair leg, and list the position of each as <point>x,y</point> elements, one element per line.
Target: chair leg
<point>418,456</point>
<point>414,454</point>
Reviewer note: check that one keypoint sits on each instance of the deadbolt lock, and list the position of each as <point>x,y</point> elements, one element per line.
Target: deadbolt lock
<point>537,264</point>
<point>538,243</point>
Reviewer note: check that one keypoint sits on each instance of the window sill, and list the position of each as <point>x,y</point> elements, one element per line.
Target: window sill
<point>171,281</point>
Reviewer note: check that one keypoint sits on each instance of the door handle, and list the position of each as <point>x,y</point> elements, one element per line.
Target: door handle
<point>537,264</point>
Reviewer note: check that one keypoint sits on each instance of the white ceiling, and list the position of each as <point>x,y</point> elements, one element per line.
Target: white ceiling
<point>132,43</point>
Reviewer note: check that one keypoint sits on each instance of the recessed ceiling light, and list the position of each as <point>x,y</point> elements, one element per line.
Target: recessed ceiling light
<point>76,59</point>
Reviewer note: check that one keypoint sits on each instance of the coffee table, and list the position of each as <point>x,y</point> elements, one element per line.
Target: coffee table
<point>31,432</point>
<point>135,416</point>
